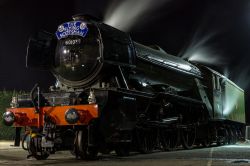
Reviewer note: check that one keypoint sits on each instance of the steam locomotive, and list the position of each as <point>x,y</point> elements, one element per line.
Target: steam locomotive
<point>115,94</point>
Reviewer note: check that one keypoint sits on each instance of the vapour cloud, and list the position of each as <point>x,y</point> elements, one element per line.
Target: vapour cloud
<point>124,14</point>
<point>201,50</point>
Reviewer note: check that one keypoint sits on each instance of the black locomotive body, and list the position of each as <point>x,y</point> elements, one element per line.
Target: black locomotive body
<point>141,98</point>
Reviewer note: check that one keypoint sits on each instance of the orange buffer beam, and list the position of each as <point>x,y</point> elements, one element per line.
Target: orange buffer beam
<point>28,117</point>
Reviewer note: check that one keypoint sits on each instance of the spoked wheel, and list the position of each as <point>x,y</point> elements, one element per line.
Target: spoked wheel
<point>169,139</point>
<point>226,137</point>
<point>25,141</point>
<point>234,139</point>
<point>188,136</point>
<point>239,135</point>
<point>231,136</point>
<point>207,140</point>
<point>222,136</point>
<point>147,139</point>
<point>34,148</point>
<point>81,149</point>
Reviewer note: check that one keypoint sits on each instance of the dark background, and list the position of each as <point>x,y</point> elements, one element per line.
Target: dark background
<point>221,29</point>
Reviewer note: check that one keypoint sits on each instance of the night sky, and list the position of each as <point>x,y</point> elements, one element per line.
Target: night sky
<point>219,30</point>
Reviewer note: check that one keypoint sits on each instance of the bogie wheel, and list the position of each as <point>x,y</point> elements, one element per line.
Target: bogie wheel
<point>188,136</point>
<point>207,140</point>
<point>25,141</point>
<point>239,135</point>
<point>82,150</point>
<point>231,136</point>
<point>226,137</point>
<point>234,136</point>
<point>169,139</point>
<point>222,136</point>
<point>218,136</point>
<point>34,148</point>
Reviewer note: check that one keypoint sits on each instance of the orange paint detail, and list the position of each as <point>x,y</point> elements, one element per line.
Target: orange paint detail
<point>28,117</point>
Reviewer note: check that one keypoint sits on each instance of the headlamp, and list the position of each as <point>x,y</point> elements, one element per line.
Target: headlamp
<point>71,116</point>
<point>8,118</point>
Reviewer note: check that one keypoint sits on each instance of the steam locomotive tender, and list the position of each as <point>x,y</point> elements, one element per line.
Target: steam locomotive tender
<point>115,94</point>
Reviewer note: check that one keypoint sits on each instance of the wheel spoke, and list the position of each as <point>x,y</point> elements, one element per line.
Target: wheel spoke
<point>81,146</point>
<point>188,136</point>
<point>169,139</point>
<point>34,148</point>
<point>146,139</point>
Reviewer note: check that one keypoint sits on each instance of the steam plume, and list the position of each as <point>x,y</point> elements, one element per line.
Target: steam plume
<point>200,50</point>
<point>125,14</point>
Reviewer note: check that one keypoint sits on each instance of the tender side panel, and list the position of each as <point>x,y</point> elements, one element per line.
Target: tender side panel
<point>234,103</point>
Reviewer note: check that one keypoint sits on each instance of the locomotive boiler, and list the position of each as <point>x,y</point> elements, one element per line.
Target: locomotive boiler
<point>115,94</point>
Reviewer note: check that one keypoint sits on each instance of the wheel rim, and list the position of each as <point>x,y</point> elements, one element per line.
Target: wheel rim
<point>226,137</point>
<point>188,136</point>
<point>81,146</point>
<point>146,139</point>
<point>234,138</point>
<point>230,136</point>
<point>169,139</point>
<point>26,141</point>
<point>35,149</point>
<point>222,136</point>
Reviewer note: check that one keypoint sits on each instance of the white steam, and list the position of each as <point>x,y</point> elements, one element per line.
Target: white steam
<point>226,72</point>
<point>124,14</point>
<point>200,50</point>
